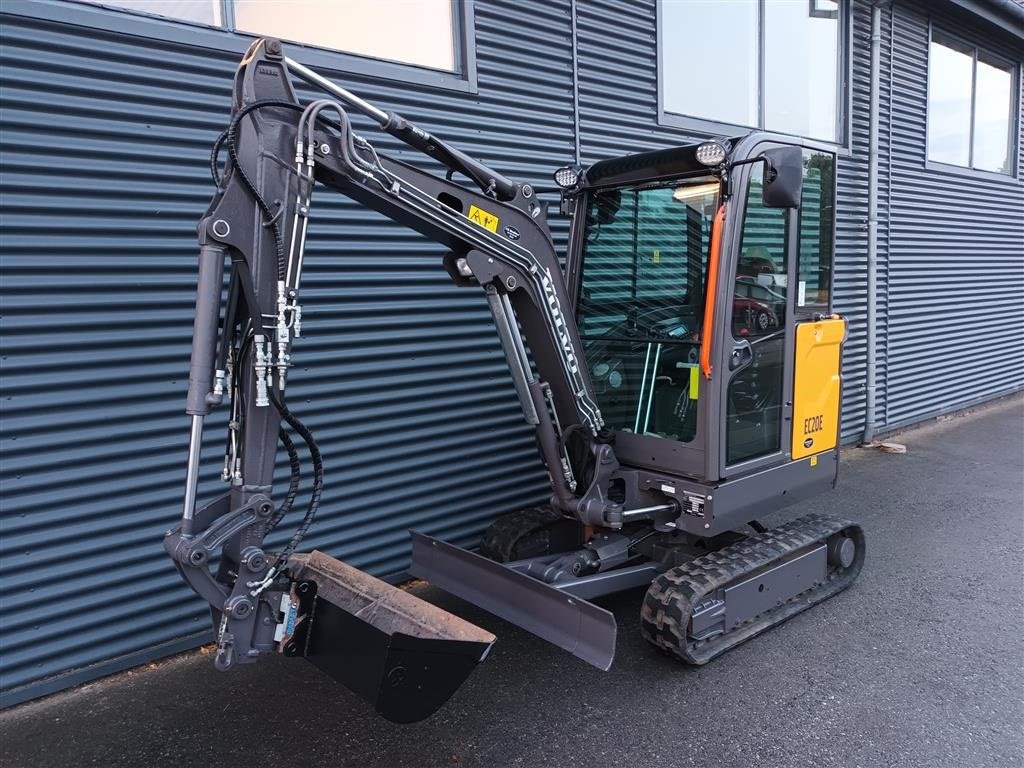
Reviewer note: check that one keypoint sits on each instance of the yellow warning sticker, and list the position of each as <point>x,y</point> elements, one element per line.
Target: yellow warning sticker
<point>483,218</point>
<point>694,381</point>
<point>814,461</point>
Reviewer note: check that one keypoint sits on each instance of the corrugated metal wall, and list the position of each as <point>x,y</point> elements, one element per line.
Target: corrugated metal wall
<point>105,140</point>
<point>956,256</point>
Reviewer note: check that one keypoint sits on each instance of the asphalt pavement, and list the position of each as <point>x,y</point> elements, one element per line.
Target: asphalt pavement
<point>919,663</point>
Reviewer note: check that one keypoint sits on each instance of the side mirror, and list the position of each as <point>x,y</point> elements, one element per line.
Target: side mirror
<point>783,177</point>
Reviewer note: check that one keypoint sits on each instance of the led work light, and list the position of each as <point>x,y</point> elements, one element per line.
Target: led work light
<point>710,153</point>
<point>568,177</point>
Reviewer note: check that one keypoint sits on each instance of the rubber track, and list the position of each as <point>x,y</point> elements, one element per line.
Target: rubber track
<point>500,539</point>
<point>673,596</point>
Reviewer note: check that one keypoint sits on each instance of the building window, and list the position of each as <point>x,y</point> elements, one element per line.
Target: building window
<point>970,107</point>
<point>771,64</point>
<point>417,32</point>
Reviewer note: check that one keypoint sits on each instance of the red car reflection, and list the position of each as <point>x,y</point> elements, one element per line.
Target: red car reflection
<point>755,308</point>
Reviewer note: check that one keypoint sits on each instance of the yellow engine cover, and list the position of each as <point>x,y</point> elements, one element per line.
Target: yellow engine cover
<point>817,385</point>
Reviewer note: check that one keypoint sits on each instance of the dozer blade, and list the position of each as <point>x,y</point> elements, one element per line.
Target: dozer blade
<point>402,654</point>
<point>580,627</point>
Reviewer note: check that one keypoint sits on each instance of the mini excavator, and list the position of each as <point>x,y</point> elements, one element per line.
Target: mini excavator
<point>682,375</point>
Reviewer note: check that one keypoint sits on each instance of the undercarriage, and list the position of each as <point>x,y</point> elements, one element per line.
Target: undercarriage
<point>704,595</point>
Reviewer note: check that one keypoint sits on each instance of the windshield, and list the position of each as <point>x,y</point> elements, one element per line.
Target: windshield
<point>641,302</point>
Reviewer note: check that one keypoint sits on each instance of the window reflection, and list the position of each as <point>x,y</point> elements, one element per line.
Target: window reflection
<point>413,31</point>
<point>970,106</point>
<point>992,144</point>
<point>199,11</point>
<point>797,91</point>
<point>641,303</point>
<point>817,217</point>
<point>417,32</point>
<point>754,400</point>
<point>730,95</point>
<point>801,70</point>
<point>949,104</point>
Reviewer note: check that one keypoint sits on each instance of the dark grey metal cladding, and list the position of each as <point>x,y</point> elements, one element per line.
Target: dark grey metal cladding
<point>399,373</point>
<point>956,249</point>
<point>850,274</point>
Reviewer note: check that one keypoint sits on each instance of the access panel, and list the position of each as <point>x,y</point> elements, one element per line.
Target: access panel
<point>817,385</point>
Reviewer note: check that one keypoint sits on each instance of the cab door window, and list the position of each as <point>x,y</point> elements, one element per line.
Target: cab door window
<point>817,232</point>
<point>760,290</point>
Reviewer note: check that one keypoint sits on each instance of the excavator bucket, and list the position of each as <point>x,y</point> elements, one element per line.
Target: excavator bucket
<point>402,654</point>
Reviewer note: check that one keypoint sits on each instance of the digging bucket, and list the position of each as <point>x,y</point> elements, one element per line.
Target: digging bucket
<point>400,653</point>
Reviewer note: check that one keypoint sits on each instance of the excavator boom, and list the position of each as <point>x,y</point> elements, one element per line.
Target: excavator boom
<point>496,239</point>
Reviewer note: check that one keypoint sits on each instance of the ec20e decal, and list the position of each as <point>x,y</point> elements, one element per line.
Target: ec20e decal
<point>813,424</point>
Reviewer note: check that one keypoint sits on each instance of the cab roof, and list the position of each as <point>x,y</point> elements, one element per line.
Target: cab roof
<point>646,166</point>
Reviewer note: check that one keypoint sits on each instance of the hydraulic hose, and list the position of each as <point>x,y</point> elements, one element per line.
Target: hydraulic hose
<point>318,479</point>
<point>294,479</point>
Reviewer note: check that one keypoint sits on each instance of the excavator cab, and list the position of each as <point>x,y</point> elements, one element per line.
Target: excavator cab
<point>696,377</point>
<point>681,375</point>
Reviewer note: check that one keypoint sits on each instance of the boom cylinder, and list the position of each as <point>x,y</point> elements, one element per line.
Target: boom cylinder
<point>201,367</point>
<point>204,329</point>
<point>488,179</point>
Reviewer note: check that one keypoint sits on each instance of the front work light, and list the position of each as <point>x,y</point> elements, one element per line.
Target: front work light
<point>568,177</point>
<point>710,153</point>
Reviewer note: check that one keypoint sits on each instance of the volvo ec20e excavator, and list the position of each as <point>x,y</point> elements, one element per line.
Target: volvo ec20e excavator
<point>680,389</point>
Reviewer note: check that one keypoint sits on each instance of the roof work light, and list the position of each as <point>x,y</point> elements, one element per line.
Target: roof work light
<point>568,176</point>
<point>710,153</point>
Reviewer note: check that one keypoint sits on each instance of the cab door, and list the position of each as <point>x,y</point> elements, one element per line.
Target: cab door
<point>778,277</point>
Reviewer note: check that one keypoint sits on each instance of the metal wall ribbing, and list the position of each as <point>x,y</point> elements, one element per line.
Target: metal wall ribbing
<point>851,270</point>
<point>956,263</point>
<point>399,373</point>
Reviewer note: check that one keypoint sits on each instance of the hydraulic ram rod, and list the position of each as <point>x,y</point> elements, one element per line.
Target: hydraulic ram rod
<point>195,441</point>
<point>490,181</point>
<point>348,97</point>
